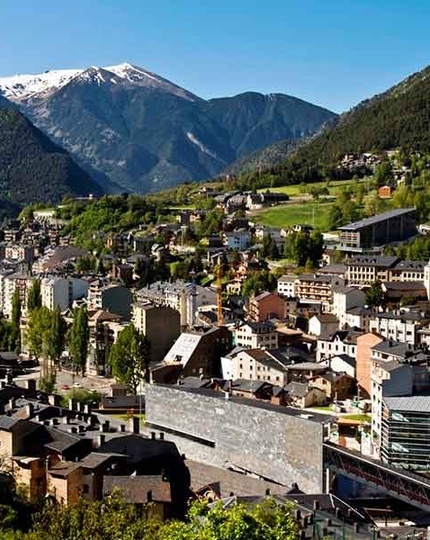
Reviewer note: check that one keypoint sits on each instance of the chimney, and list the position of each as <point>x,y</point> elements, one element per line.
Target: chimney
<point>101,439</point>
<point>9,377</point>
<point>72,404</point>
<point>316,505</point>
<point>81,407</point>
<point>87,409</point>
<point>11,404</point>
<point>65,420</point>
<point>29,410</point>
<point>54,400</point>
<point>31,386</point>
<point>134,424</point>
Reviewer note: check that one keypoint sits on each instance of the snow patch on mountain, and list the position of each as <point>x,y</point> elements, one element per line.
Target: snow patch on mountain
<point>191,137</point>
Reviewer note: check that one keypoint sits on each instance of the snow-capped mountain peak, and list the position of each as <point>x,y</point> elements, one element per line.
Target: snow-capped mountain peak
<point>22,88</point>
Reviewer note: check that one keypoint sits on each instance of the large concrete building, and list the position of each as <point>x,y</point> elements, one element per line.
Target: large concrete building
<point>160,324</point>
<point>267,441</point>
<point>376,231</point>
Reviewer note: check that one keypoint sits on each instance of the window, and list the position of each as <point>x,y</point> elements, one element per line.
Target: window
<point>86,488</point>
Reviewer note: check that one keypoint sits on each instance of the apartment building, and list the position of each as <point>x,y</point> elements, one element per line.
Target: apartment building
<point>255,365</point>
<point>286,285</point>
<point>344,299</point>
<point>183,296</point>
<point>252,335</point>
<point>402,326</point>
<point>265,306</point>
<point>111,297</point>
<point>160,324</point>
<point>340,342</point>
<point>316,288</point>
<point>56,291</point>
<point>12,282</point>
<point>363,270</point>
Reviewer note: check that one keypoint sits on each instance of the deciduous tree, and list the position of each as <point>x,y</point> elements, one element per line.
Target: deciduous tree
<point>129,357</point>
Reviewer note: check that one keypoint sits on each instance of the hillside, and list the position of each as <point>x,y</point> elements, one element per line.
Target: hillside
<point>34,169</point>
<point>268,157</point>
<point>398,118</point>
<point>134,130</point>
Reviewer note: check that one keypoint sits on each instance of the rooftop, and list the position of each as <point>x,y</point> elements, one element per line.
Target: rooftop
<point>356,225</point>
<point>420,403</point>
<point>289,411</point>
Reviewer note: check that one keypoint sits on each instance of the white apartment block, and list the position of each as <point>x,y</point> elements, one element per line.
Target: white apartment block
<point>340,343</point>
<point>255,365</point>
<point>12,282</point>
<point>286,286</point>
<point>56,291</point>
<point>344,299</point>
<point>256,336</point>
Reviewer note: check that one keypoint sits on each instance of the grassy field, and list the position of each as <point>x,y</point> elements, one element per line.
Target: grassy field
<point>334,188</point>
<point>286,215</point>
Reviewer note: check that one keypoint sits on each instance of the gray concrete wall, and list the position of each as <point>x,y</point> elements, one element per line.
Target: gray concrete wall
<point>269,443</point>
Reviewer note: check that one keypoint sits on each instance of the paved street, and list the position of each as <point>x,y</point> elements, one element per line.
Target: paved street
<point>101,384</point>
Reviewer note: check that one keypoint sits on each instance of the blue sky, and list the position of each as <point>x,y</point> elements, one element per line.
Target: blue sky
<point>333,53</point>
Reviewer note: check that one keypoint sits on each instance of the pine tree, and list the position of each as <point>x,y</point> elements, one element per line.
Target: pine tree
<point>55,339</point>
<point>79,338</point>
<point>15,334</point>
<point>34,299</point>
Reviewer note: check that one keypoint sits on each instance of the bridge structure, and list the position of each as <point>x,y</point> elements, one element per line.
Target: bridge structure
<point>398,483</point>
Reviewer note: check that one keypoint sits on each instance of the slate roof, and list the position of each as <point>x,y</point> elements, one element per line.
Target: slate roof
<point>7,422</point>
<point>248,385</point>
<point>403,285</point>
<point>369,260</point>
<point>60,440</point>
<point>357,225</point>
<point>347,359</point>
<point>297,389</point>
<point>420,403</point>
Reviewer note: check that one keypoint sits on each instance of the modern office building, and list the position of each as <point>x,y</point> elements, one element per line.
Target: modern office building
<point>376,231</point>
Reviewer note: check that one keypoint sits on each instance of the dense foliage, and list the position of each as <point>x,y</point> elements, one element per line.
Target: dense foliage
<point>32,168</point>
<point>129,357</point>
<point>114,519</point>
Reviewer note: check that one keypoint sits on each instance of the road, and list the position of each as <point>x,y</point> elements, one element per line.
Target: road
<point>98,383</point>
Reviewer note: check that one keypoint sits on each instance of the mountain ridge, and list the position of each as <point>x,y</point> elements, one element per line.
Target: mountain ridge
<point>145,133</point>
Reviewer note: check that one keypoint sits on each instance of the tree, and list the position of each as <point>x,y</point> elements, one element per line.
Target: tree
<point>335,217</point>
<point>375,296</point>
<point>55,337</point>
<point>15,333</point>
<point>37,331</point>
<point>129,357</point>
<point>34,298</point>
<point>79,339</point>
